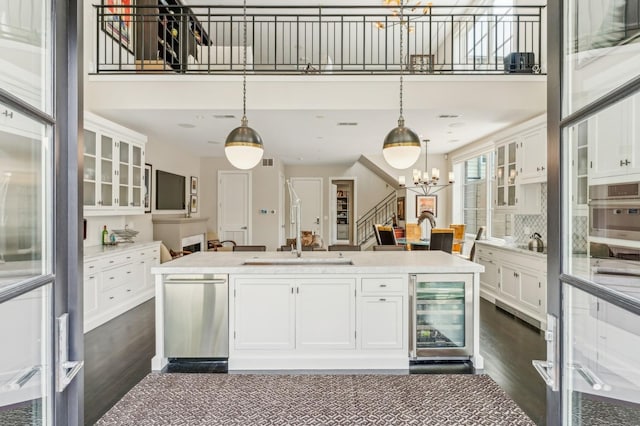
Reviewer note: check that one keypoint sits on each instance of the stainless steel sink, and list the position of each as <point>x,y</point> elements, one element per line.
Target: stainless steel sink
<point>298,261</point>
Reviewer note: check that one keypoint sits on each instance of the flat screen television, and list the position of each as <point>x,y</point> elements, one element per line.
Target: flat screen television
<point>170,191</point>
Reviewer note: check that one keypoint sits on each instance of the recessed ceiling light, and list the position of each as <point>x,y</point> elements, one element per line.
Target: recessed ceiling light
<point>200,117</point>
<point>224,116</point>
<point>347,123</point>
<point>186,125</point>
<point>448,116</point>
<point>456,124</point>
<point>319,137</point>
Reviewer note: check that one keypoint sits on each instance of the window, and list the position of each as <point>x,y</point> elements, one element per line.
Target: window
<point>474,194</point>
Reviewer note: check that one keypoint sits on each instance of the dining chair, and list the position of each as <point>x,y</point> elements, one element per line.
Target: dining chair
<point>249,248</point>
<point>389,248</point>
<point>441,239</point>
<point>385,236</point>
<point>344,247</point>
<point>288,248</point>
<point>458,237</point>
<point>472,253</point>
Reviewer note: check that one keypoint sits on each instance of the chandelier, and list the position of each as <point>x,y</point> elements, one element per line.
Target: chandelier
<point>422,182</point>
<point>413,5</point>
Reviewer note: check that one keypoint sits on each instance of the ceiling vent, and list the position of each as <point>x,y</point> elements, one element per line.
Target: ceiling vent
<point>224,116</point>
<point>347,123</point>
<point>267,162</point>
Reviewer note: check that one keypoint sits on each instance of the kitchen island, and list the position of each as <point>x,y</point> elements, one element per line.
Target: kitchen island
<point>326,310</point>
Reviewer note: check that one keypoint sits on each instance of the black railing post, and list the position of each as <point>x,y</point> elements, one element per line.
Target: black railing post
<point>496,43</point>
<point>275,43</point>
<point>320,39</point>
<point>540,37</point>
<point>474,41</point>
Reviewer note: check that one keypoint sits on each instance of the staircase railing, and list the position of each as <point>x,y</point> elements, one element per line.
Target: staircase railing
<point>382,213</point>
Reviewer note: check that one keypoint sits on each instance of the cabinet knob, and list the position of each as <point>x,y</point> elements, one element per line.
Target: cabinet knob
<point>383,285</point>
<point>382,300</point>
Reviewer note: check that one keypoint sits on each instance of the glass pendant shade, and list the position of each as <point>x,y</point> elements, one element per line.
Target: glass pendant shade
<point>401,147</point>
<point>243,147</point>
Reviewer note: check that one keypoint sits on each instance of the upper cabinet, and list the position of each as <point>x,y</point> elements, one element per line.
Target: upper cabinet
<point>614,154</point>
<point>532,156</point>
<point>113,177</point>
<point>506,175</point>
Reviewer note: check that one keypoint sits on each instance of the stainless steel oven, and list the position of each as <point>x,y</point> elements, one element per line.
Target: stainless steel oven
<point>615,211</point>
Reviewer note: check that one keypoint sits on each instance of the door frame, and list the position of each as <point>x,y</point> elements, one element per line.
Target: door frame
<point>354,203</point>
<point>249,201</point>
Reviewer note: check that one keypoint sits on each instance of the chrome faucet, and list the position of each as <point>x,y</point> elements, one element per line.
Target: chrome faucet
<point>295,216</point>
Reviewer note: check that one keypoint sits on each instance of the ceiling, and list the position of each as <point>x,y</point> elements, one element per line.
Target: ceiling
<point>319,120</point>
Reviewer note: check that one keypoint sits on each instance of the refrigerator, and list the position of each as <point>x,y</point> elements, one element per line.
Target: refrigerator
<point>441,320</point>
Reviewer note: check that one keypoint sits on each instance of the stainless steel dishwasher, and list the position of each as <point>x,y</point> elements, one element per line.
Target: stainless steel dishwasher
<point>196,316</point>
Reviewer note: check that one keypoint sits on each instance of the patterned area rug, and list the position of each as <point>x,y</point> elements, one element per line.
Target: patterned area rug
<point>271,399</point>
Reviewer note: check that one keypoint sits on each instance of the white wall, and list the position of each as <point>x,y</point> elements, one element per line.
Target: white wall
<point>369,189</point>
<point>265,187</point>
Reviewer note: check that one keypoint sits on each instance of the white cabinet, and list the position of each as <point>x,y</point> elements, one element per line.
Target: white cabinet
<point>287,321</point>
<point>381,308</point>
<point>291,313</point>
<point>325,314</point>
<point>532,156</point>
<point>117,279</point>
<point>489,278</point>
<point>515,280</point>
<point>509,284</point>
<point>113,177</point>
<point>264,314</point>
<point>506,175</point>
<point>613,148</point>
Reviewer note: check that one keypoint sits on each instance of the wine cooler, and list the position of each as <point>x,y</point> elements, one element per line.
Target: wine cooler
<point>441,322</point>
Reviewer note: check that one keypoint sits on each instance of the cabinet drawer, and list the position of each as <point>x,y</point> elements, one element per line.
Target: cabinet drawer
<point>115,296</point>
<point>382,285</point>
<point>118,276</point>
<point>91,268</point>
<point>149,252</point>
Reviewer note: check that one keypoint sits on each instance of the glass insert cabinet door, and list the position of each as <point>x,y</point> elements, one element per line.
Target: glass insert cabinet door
<point>601,377</point>
<point>441,315</point>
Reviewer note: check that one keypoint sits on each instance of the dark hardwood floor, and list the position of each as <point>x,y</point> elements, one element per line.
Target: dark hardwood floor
<point>118,355</point>
<point>508,345</point>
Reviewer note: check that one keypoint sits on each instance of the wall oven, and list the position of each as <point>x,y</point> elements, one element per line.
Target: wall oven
<point>615,211</point>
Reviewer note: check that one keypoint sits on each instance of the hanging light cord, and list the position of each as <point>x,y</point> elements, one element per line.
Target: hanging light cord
<point>401,52</point>
<point>244,64</point>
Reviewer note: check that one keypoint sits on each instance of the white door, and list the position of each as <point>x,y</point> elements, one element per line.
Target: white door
<point>325,314</point>
<point>309,191</point>
<point>234,206</point>
<point>282,190</point>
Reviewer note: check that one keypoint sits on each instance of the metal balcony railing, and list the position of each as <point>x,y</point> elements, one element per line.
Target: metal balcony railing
<point>173,38</point>
<point>382,214</point>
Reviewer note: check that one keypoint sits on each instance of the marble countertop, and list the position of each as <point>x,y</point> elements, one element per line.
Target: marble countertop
<point>94,251</point>
<point>518,249</point>
<point>380,262</point>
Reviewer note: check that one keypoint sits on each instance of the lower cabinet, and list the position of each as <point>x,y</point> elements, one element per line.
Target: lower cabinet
<point>117,280</point>
<point>516,281</point>
<point>285,322</point>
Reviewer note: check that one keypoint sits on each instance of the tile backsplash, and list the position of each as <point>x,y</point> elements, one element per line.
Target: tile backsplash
<point>532,222</point>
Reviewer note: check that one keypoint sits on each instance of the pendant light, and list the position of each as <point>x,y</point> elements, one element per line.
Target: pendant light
<point>243,147</point>
<point>401,147</point>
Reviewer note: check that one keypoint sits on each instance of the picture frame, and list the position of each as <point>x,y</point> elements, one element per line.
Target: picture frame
<point>193,202</point>
<point>426,202</point>
<point>117,21</point>
<point>400,208</point>
<point>194,185</point>
<point>148,173</point>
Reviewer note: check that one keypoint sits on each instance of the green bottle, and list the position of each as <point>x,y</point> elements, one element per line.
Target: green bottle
<point>105,235</point>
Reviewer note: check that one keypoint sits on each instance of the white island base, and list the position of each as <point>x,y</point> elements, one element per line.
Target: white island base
<point>316,316</point>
